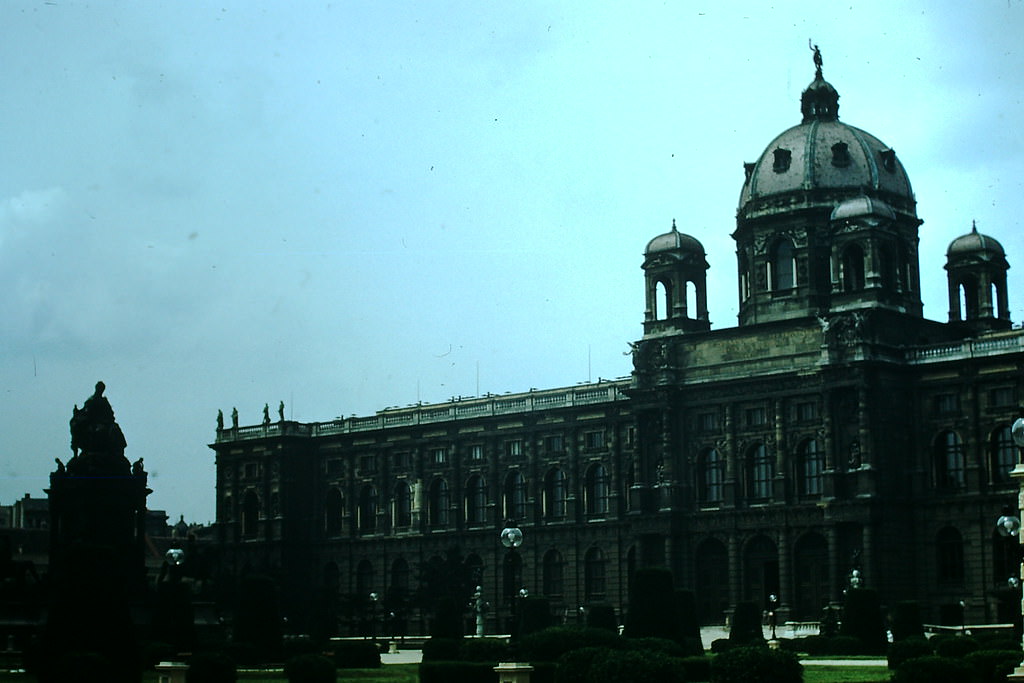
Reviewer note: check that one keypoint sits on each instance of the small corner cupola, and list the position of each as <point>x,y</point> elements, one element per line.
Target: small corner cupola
<point>820,101</point>
<point>675,273</point>
<point>976,268</point>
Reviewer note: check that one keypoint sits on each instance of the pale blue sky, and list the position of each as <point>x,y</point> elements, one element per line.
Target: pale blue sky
<point>354,205</point>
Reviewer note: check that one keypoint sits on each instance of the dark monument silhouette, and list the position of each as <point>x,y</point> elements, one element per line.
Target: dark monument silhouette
<point>97,544</point>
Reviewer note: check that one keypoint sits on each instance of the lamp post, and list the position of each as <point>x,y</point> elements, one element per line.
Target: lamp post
<point>511,538</point>
<point>773,605</point>
<point>1010,523</point>
<point>374,598</point>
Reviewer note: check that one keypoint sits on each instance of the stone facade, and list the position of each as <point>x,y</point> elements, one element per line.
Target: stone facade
<point>834,429</point>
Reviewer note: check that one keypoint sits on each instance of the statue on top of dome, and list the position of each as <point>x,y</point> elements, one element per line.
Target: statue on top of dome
<point>817,57</point>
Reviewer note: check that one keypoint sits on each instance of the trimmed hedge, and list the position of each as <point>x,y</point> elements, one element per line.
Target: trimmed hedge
<point>905,620</point>
<point>956,647</point>
<point>602,616</point>
<point>356,654</point>
<point>310,668</point>
<point>551,643</point>
<point>761,664</point>
<point>463,672</point>
<point>933,669</point>
<point>599,665</point>
<point>862,619</point>
<point>907,649</point>
<point>746,625</point>
<point>441,649</point>
<point>483,650</point>
<point>994,665</point>
<point>211,667</point>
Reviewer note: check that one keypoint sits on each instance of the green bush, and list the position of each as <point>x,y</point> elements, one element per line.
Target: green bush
<point>746,625</point>
<point>602,616</point>
<point>955,647</point>
<point>697,668</point>
<point>905,620</point>
<point>760,664</point>
<point>933,669</point>
<point>601,665</point>
<point>535,615</point>
<point>310,668</point>
<point>356,654</point>
<point>463,672</point>
<point>483,650</point>
<point>211,667</point>
<point>862,619</point>
<point>908,648</point>
<point>719,645</point>
<point>993,666</point>
<point>574,665</point>
<point>662,645</point>
<point>689,625</point>
<point>447,621</point>
<point>551,643</point>
<point>441,649</point>
<point>652,610</point>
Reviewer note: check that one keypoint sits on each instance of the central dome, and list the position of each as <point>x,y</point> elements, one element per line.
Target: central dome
<point>823,161</point>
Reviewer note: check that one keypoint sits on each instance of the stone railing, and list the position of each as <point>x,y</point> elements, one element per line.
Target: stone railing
<point>605,391</point>
<point>969,348</point>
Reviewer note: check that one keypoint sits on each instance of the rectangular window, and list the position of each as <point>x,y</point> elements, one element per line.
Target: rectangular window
<point>1002,397</point>
<point>593,439</point>
<point>402,460</point>
<point>367,464</point>
<point>476,452</point>
<point>438,456</point>
<point>514,448</point>
<point>630,436</point>
<point>554,443</point>
<point>707,422</point>
<point>755,416</point>
<point>252,470</point>
<point>947,404</point>
<point>807,411</point>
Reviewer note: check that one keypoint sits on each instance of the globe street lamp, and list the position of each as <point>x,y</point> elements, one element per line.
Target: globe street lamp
<point>511,538</point>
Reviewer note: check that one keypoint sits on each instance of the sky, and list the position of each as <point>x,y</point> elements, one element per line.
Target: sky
<point>348,206</point>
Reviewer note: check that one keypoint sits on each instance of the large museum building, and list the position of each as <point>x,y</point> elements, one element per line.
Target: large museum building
<point>834,429</point>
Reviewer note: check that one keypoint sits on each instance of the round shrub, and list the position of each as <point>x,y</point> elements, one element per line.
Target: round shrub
<point>602,616</point>
<point>211,667</point>
<point>483,650</point>
<point>719,645</point>
<point>746,625</point>
<point>310,668</point>
<point>440,649</point>
<point>933,669</point>
<point>956,647</point>
<point>652,610</point>
<point>845,646</point>
<point>662,645</point>
<point>357,654</point>
<point>574,666</point>
<point>761,664</point>
<point>908,648</point>
<point>551,643</point>
<point>636,666</point>
<point>993,665</point>
<point>905,619</point>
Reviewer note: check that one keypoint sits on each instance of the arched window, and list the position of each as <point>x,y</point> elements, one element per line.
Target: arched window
<point>552,576</point>
<point>402,514</point>
<point>711,470</point>
<point>949,462</point>
<point>744,270</point>
<point>334,512</point>
<point>399,588</point>
<point>367,521</point>
<point>596,491</point>
<point>949,556</point>
<point>1003,455</point>
<point>662,300</point>
<point>760,471</point>
<point>474,568</point>
<point>514,496</point>
<point>364,579</point>
<point>887,266</point>
<point>250,515</point>
<point>438,503</point>
<point>782,266</point>
<point>811,465</point>
<point>554,494</point>
<point>853,268</point>
<point>593,575</point>
<point>476,500</point>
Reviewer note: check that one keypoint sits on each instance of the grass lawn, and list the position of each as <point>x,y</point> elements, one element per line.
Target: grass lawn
<point>844,674</point>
